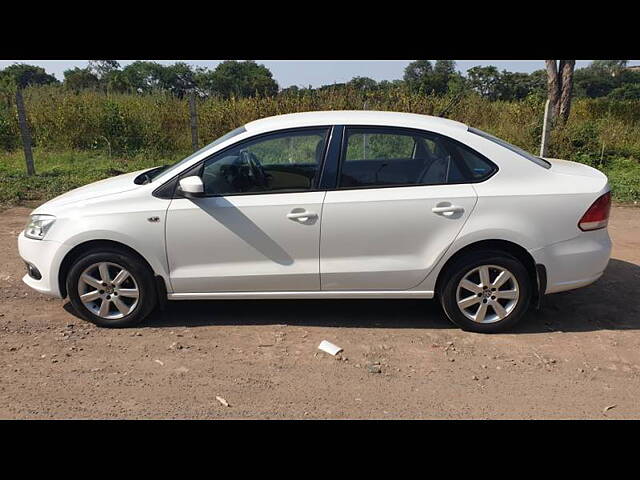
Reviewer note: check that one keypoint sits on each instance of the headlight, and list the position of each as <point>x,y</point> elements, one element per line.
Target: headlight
<point>38,226</point>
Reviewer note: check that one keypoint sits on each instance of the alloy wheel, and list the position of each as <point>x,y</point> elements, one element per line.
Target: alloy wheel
<point>487,294</point>
<point>108,290</point>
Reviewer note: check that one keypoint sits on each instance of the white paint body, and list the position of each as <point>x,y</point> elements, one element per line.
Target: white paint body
<point>361,243</point>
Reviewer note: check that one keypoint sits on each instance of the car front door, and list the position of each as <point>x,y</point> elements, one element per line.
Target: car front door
<point>402,198</point>
<point>258,226</point>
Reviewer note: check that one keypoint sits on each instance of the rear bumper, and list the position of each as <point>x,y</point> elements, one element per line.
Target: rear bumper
<point>46,256</point>
<point>575,263</point>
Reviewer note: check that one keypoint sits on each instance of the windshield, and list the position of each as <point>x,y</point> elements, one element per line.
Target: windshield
<point>513,148</point>
<point>166,169</point>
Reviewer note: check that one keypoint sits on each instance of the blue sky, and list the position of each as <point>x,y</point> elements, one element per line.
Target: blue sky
<point>318,72</point>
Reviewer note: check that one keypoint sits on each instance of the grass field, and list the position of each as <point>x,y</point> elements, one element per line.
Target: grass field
<point>81,138</point>
<point>60,172</point>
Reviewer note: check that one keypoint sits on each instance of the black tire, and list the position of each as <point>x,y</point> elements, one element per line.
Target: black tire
<point>147,296</point>
<point>466,263</point>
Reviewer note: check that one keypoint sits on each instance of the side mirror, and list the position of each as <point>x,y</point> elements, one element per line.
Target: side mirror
<point>191,187</point>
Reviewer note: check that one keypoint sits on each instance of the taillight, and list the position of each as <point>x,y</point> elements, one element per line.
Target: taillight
<point>598,214</point>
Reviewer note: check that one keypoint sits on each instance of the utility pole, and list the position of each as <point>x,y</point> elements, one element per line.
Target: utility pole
<point>546,124</point>
<point>25,132</point>
<point>193,114</point>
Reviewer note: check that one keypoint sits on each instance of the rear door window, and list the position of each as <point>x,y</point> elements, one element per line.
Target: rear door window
<point>383,157</point>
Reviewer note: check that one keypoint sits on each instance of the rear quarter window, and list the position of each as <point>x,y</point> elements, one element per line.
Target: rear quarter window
<point>477,168</point>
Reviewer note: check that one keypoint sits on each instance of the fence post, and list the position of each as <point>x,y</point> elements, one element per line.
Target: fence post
<point>193,114</point>
<point>24,131</point>
<point>544,142</point>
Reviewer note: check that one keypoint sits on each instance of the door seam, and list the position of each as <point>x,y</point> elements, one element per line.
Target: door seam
<point>320,241</point>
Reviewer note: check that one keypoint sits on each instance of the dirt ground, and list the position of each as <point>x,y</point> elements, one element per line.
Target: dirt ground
<point>577,358</point>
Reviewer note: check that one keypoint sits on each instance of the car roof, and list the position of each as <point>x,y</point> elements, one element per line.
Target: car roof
<point>354,117</point>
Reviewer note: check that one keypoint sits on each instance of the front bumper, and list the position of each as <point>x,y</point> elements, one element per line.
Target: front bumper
<point>575,263</point>
<point>46,256</point>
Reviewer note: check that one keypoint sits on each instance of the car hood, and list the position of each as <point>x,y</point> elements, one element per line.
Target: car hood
<point>101,188</point>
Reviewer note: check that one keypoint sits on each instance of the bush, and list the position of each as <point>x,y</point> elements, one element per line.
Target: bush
<point>129,131</point>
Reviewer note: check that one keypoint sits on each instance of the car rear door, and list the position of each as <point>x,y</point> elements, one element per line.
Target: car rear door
<point>401,198</point>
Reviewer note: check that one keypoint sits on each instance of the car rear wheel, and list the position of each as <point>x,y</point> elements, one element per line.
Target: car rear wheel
<point>111,289</point>
<point>486,291</point>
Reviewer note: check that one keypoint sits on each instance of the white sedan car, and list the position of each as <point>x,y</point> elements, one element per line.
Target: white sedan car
<point>342,204</point>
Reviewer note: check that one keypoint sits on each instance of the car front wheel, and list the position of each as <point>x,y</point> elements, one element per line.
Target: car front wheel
<point>111,289</point>
<point>486,292</point>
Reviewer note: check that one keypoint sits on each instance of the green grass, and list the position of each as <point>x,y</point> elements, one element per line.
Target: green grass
<point>624,176</point>
<point>58,172</point>
<point>84,127</point>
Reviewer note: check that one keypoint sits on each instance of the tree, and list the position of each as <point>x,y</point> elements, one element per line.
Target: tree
<point>21,75</point>
<point>238,79</point>
<point>142,76</point>
<point>559,87</point>
<point>629,91</point>
<point>293,91</point>
<point>178,78</point>
<point>593,83</point>
<point>421,76</point>
<point>445,67</point>
<point>102,68</point>
<point>609,67</point>
<point>603,77</point>
<point>416,71</point>
<point>115,81</point>
<point>362,83</point>
<point>80,78</point>
<point>486,81</point>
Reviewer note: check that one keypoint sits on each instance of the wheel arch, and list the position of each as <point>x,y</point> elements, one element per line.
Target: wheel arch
<point>537,272</point>
<point>94,245</point>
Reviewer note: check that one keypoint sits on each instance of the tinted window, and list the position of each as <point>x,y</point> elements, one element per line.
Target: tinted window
<point>513,148</point>
<point>476,166</point>
<point>387,157</point>
<point>287,162</point>
<point>379,146</point>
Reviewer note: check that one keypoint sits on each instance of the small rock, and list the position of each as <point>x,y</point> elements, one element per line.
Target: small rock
<point>159,362</point>
<point>374,368</point>
<point>475,377</point>
<point>609,407</point>
<point>222,401</point>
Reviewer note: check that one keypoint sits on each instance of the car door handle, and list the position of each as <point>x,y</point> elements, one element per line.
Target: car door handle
<point>302,216</point>
<point>447,209</point>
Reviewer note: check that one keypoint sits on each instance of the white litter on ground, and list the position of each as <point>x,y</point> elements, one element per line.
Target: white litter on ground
<point>329,347</point>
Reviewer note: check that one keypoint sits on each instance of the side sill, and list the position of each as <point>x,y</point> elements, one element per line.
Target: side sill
<point>310,294</point>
